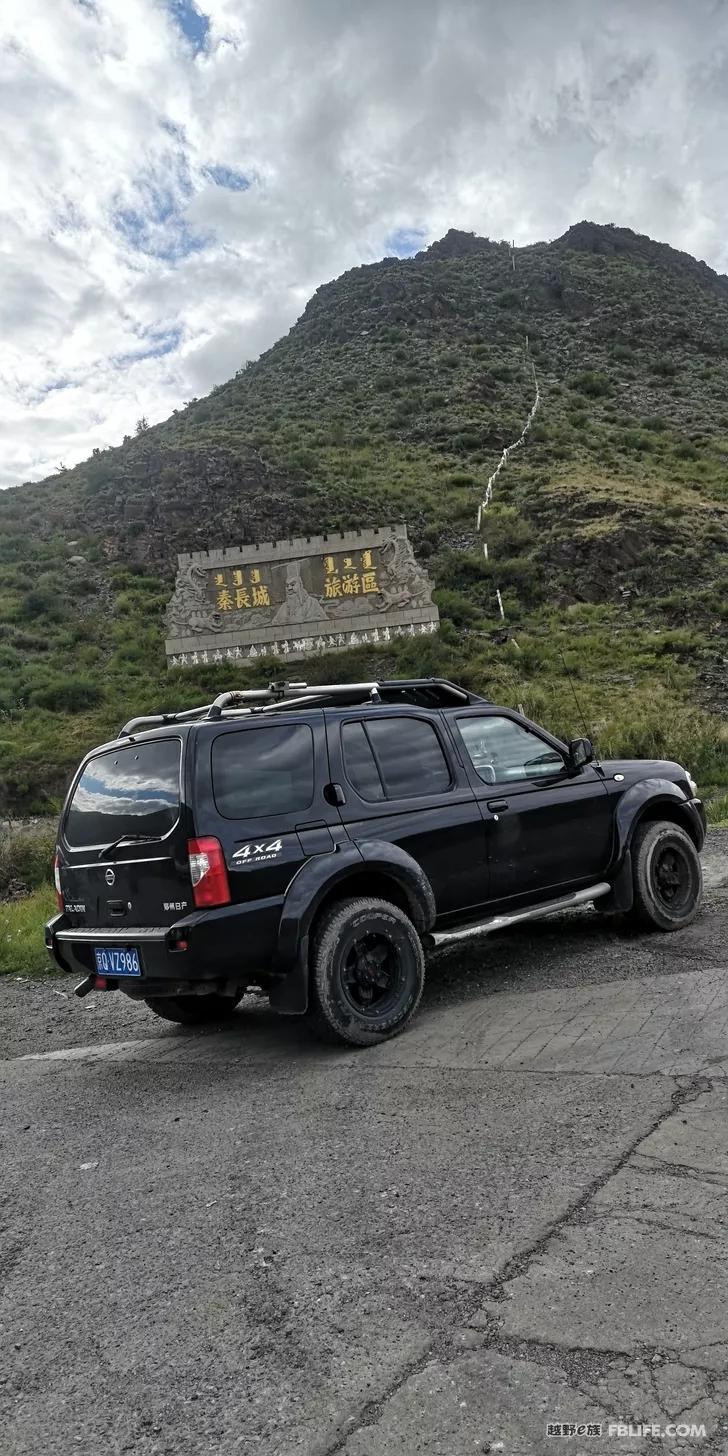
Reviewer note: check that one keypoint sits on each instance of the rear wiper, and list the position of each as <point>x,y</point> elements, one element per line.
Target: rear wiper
<point>130,839</point>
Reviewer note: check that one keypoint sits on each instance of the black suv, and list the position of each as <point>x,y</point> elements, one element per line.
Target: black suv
<point>314,842</point>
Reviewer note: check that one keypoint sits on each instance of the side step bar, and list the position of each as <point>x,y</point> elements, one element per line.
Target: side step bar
<point>533,912</point>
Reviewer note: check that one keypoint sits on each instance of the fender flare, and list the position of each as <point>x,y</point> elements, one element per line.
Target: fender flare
<point>307,891</point>
<point>630,810</point>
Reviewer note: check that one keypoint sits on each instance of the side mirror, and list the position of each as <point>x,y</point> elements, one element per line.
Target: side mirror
<point>581,752</point>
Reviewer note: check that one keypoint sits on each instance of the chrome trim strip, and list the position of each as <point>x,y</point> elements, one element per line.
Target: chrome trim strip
<point>99,864</point>
<point>533,912</point>
<point>126,934</point>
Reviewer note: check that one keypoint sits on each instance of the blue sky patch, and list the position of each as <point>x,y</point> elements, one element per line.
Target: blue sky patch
<point>193,23</point>
<point>405,242</point>
<point>147,233</point>
<point>153,344</point>
<point>227,177</point>
<point>155,224</point>
<point>63,382</point>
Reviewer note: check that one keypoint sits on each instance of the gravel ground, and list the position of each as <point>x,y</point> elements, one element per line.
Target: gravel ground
<point>240,1241</point>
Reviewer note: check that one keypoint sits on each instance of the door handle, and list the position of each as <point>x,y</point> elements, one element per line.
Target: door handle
<point>496,806</point>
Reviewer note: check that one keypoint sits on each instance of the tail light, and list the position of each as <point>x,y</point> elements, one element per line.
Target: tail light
<point>208,873</point>
<point>57,882</point>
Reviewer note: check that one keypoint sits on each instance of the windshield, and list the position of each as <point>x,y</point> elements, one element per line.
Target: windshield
<point>127,791</point>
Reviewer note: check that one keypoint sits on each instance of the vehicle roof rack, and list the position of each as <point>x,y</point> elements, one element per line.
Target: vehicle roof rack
<point>422,692</point>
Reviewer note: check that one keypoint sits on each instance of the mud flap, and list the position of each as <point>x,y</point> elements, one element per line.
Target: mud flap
<point>288,994</point>
<point>621,896</point>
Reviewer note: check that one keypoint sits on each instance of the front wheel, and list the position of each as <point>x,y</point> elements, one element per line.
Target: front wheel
<point>367,972</point>
<point>192,1010</point>
<point>668,879</point>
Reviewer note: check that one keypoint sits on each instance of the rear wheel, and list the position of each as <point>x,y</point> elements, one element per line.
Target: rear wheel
<point>192,1010</point>
<point>668,879</point>
<point>367,972</point>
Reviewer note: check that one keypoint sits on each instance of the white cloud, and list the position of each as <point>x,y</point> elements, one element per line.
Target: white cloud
<point>130,279</point>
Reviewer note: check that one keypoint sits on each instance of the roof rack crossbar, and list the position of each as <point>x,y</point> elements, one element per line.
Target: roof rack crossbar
<point>160,720</point>
<point>278,695</point>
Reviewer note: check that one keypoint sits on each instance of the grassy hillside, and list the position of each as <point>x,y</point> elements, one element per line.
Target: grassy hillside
<point>391,399</point>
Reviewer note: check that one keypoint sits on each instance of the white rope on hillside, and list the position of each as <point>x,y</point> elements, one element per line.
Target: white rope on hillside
<point>487,498</point>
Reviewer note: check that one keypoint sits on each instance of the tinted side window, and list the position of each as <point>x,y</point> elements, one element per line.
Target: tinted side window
<point>262,771</point>
<point>502,751</point>
<point>409,757</point>
<point>359,762</point>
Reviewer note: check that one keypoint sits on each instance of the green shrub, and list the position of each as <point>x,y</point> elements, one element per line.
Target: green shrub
<point>26,856</point>
<point>634,440</point>
<point>717,810</point>
<point>508,299</point>
<point>70,695</point>
<point>456,606</point>
<point>462,478</point>
<point>519,572</point>
<point>507,531</point>
<point>591,383</point>
<point>42,602</point>
<point>22,947</point>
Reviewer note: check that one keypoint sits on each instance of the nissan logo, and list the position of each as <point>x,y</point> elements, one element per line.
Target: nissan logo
<point>110,877</point>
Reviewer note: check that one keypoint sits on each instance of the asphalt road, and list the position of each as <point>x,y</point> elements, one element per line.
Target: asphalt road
<point>240,1241</point>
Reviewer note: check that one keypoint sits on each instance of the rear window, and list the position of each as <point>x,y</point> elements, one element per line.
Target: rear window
<point>258,772</point>
<point>133,790</point>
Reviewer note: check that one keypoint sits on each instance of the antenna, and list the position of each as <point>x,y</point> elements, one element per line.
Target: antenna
<point>579,709</point>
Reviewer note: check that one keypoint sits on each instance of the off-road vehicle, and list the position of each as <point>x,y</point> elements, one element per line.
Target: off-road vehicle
<point>313,842</point>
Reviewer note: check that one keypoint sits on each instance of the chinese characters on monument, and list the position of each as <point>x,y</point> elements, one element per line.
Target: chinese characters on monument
<point>289,598</point>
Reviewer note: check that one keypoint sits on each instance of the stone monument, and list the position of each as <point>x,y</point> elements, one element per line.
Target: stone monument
<point>289,598</point>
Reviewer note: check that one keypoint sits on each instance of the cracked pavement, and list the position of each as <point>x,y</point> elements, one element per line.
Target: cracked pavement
<point>239,1241</point>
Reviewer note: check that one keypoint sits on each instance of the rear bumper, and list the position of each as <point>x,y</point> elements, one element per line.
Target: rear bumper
<point>209,949</point>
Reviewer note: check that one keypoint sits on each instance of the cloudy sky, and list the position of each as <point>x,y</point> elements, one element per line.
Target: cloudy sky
<point>176,180</point>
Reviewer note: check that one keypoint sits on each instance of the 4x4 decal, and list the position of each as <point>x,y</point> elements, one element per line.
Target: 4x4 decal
<point>254,853</point>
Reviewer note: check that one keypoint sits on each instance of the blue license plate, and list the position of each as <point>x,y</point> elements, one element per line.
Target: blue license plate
<point>114,962</point>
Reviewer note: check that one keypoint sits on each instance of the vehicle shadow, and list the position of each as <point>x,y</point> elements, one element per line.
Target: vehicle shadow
<point>576,949</point>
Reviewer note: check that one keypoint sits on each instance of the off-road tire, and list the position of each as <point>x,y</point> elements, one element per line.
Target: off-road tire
<point>354,940</point>
<point>667,874</point>
<point>192,1010</point>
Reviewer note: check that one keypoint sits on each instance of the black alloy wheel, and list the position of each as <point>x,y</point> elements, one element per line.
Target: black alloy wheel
<point>667,874</point>
<point>673,879</point>
<point>372,974</point>
<point>367,972</point>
